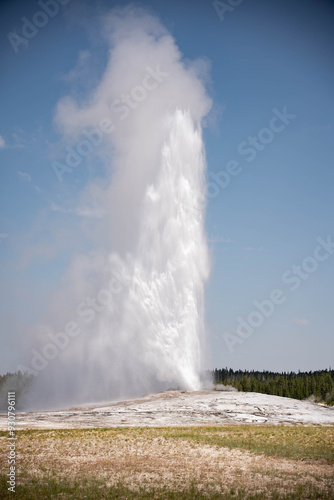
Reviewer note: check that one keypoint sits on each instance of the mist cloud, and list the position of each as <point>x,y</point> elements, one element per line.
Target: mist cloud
<point>150,254</point>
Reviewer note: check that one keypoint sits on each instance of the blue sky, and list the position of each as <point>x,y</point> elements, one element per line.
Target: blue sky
<point>263,56</point>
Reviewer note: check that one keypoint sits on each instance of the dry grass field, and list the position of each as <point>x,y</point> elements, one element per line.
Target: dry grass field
<point>252,462</point>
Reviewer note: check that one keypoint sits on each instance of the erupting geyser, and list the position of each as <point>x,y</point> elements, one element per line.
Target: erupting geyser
<point>145,219</point>
<point>163,314</point>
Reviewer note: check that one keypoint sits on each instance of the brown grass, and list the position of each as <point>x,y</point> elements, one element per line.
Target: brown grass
<point>175,458</point>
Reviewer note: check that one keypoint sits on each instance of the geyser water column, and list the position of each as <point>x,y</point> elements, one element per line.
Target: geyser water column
<point>142,219</point>
<point>164,316</point>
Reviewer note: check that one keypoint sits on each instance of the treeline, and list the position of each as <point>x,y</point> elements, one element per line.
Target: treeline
<point>302,385</point>
<point>19,383</point>
<point>317,385</point>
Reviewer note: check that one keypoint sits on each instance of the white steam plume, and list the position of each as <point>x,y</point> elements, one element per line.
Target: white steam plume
<point>144,331</point>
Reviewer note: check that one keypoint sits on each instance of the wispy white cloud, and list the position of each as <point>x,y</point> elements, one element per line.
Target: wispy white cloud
<point>87,211</point>
<point>57,208</point>
<point>2,142</point>
<point>38,189</point>
<point>18,140</point>
<point>24,176</point>
<point>80,69</point>
<point>21,139</point>
<point>3,236</point>
<point>41,251</point>
<point>300,321</point>
<point>82,210</point>
<point>256,249</point>
<point>218,239</point>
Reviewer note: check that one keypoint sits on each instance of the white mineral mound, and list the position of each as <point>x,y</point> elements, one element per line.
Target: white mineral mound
<point>182,408</point>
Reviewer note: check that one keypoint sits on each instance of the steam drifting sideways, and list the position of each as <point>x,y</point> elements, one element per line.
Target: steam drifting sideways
<point>149,258</point>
